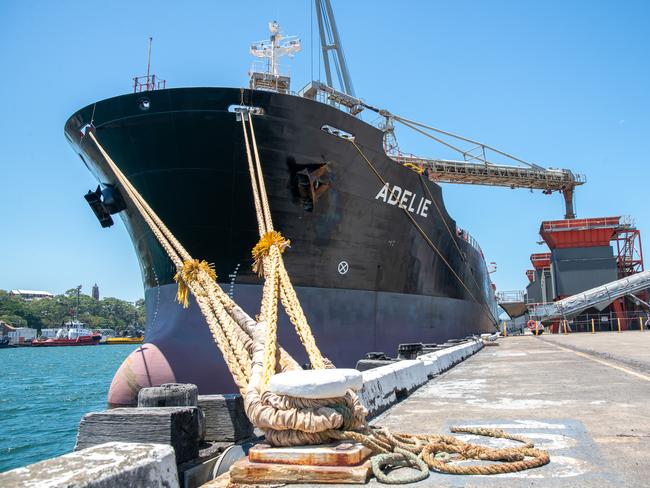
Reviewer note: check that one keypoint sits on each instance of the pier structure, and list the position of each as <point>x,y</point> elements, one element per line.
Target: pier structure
<point>592,278</point>
<point>177,438</point>
<point>582,257</point>
<point>465,385</point>
<point>549,389</point>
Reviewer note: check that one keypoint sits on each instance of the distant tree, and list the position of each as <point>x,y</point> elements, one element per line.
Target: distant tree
<point>14,320</point>
<point>108,312</point>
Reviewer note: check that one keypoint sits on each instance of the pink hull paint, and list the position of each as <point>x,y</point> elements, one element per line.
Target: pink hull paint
<point>144,367</point>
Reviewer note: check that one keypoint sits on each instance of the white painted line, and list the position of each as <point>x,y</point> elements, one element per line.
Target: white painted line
<point>519,424</point>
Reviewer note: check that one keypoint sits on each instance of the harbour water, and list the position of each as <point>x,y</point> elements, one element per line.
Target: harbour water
<point>44,392</point>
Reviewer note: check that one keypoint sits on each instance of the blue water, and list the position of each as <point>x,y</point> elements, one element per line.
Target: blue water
<point>44,392</point>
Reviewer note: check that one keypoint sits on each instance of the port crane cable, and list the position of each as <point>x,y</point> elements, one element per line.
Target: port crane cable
<point>413,123</point>
<point>426,237</point>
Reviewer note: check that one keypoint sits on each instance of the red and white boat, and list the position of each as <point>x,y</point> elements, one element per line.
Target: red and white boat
<point>75,335</point>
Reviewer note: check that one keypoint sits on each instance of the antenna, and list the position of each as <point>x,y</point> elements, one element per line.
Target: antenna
<point>149,81</point>
<point>331,42</point>
<point>149,57</point>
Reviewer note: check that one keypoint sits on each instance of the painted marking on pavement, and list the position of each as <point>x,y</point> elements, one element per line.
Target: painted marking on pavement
<point>573,453</point>
<point>606,363</point>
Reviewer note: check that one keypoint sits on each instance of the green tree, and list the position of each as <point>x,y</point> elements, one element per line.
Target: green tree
<point>109,312</point>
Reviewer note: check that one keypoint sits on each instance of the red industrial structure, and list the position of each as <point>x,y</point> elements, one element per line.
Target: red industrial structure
<point>570,233</point>
<point>583,256</point>
<point>541,260</point>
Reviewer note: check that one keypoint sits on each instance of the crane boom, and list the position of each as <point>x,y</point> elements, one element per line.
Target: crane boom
<point>477,166</point>
<point>491,174</point>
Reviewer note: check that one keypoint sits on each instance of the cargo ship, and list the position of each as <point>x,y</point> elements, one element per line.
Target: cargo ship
<point>375,257</point>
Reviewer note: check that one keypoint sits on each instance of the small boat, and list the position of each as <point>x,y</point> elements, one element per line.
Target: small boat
<point>125,340</point>
<point>5,342</point>
<point>75,335</point>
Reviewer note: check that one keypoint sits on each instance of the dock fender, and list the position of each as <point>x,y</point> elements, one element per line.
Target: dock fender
<point>144,367</point>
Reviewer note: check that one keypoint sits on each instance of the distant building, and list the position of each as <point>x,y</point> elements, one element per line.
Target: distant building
<point>21,335</point>
<point>31,294</point>
<point>48,333</point>
<point>95,292</point>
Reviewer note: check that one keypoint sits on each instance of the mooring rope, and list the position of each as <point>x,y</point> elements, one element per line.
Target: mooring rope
<point>244,344</point>
<point>267,256</point>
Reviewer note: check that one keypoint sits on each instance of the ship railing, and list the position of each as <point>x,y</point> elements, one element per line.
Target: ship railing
<point>263,67</point>
<point>148,83</point>
<point>315,90</point>
<point>511,296</point>
<point>262,78</point>
<point>466,236</point>
<point>588,223</point>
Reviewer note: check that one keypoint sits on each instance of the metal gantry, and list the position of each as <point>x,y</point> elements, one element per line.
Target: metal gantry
<point>331,44</point>
<point>477,166</point>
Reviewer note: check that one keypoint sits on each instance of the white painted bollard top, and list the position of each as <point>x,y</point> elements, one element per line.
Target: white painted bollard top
<point>316,383</point>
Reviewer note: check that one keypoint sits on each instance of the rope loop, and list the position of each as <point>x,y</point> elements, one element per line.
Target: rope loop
<point>190,272</point>
<point>400,458</point>
<point>263,248</point>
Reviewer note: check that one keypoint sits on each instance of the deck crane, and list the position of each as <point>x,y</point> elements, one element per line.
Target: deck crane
<point>476,167</point>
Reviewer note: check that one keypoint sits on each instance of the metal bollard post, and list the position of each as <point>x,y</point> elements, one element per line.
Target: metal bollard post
<point>536,328</point>
<point>565,327</point>
<point>641,324</point>
<point>618,321</point>
<point>593,328</point>
<point>505,329</point>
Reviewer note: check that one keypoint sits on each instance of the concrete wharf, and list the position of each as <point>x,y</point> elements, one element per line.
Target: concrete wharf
<point>583,397</point>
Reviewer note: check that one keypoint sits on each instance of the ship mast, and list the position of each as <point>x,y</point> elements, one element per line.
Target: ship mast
<point>272,50</point>
<point>331,44</point>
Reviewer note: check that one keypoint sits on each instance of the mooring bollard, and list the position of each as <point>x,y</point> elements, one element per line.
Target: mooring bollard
<point>169,395</point>
<point>593,327</point>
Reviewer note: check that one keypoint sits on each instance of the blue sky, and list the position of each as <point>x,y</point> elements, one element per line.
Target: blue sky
<point>562,84</point>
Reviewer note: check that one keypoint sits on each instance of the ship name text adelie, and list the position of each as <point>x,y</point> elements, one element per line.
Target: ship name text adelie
<point>404,198</point>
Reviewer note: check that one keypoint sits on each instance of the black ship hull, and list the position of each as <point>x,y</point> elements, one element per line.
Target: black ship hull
<point>367,278</point>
